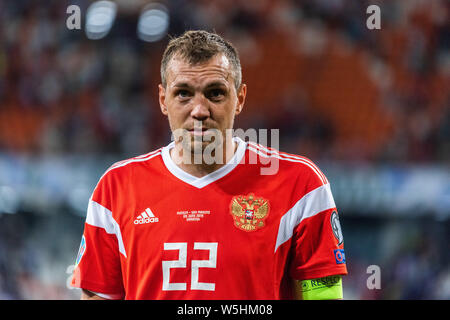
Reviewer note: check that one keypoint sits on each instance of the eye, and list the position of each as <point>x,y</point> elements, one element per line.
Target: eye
<point>216,94</point>
<point>183,94</point>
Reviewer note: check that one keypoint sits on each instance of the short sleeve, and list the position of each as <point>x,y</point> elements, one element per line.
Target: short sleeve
<point>98,264</point>
<point>317,247</point>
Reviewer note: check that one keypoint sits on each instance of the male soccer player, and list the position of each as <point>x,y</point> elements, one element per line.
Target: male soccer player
<point>166,225</point>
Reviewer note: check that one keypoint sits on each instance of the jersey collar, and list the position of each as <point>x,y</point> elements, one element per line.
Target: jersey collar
<point>209,178</point>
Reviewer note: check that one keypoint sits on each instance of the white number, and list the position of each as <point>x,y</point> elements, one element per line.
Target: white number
<point>195,265</point>
<point>210,263</point>
<point>180,263</point>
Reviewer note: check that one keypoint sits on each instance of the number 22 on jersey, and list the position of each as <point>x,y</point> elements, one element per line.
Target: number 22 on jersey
<point>195,266</point>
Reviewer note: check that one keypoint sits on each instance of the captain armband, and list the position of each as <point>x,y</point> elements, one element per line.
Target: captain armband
<point>326,288</point>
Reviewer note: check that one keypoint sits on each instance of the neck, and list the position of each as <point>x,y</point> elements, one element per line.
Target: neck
<point>197,165</point>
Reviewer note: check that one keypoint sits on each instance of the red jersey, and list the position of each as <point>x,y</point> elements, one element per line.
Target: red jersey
<point>154,231</point>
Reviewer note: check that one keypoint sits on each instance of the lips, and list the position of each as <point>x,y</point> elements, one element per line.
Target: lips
<point>199,127</point>
<point>199,131</point>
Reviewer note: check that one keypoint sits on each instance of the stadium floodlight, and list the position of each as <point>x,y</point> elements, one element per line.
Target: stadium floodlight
<point>100,17</point>
<point>153,22</point>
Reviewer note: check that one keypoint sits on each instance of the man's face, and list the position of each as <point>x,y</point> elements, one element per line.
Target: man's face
<point>201,96</point>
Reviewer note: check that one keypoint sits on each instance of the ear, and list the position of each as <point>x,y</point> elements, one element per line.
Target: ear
<point>162,99</point>
<point>241,94</point>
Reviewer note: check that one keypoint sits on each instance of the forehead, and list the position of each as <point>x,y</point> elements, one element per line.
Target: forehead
<point>218,68</point>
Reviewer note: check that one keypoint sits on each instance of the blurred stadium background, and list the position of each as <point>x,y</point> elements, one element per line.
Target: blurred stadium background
<point>371,107</point>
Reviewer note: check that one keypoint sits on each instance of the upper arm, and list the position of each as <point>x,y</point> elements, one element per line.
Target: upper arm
<point>88,295</point>
<point>317,246</point>
<point>98,264</point>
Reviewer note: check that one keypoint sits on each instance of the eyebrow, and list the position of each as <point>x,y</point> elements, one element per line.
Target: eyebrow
<point>210,85</point>
<point>181,85</point>
<point>215,84</point>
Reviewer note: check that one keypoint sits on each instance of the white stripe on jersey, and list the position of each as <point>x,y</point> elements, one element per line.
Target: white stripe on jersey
<point>285,155</point>
<point>135,159</point>
<point>312,203</point>
<point>99,216</point>
<point>299,160</point>
<point>125,162</point>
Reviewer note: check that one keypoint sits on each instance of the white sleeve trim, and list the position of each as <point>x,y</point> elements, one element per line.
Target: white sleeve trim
<point>310,204</point>
<point>99,216</point>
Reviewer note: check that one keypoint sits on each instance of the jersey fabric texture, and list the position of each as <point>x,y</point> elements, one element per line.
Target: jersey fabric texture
<point>153,231</point>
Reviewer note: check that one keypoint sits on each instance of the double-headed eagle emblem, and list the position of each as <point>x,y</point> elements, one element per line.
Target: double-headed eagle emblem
<point>249,212</point>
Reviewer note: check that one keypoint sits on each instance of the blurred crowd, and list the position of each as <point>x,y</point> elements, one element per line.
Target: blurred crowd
<point>412,256</point>
<point>314,70</point>
<point>37,254</point>
<point>334,88</point>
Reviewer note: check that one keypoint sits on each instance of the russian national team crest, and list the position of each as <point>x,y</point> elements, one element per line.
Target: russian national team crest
<point>249,212</point>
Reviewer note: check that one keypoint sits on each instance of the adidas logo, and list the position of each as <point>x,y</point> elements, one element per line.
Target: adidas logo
<point>146,217</point>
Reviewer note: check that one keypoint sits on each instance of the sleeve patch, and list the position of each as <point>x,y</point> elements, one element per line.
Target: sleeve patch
<point>336,227</point>
<point>339,255</point>
<point>81,250</point>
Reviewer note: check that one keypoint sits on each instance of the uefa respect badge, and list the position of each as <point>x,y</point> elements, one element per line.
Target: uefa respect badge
<point>339,255</point>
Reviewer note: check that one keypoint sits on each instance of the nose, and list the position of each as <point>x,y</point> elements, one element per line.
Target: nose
<point>200,110</point>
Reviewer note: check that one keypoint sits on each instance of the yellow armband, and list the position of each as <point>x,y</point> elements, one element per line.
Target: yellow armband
<point>327,288</point>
